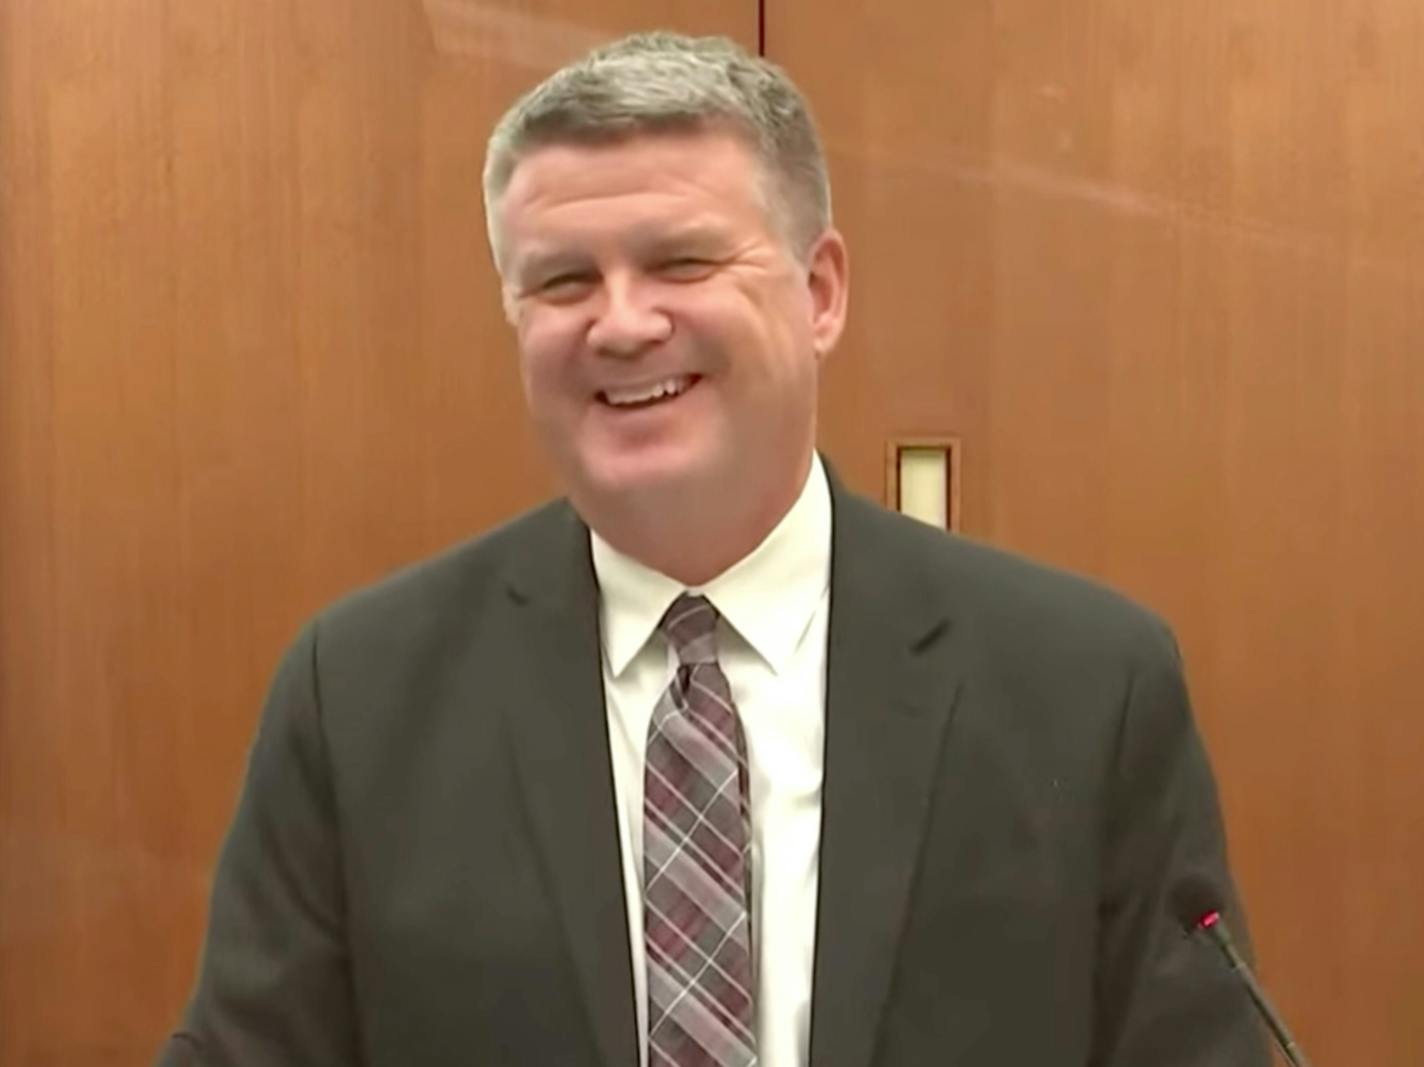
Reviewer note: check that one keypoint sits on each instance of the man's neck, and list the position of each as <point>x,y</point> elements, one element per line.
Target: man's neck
<point>696,536</point>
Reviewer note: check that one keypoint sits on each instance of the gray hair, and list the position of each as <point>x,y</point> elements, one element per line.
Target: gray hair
<point>652,83</point>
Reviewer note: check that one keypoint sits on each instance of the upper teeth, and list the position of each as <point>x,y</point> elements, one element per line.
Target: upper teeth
<point>639,394</point>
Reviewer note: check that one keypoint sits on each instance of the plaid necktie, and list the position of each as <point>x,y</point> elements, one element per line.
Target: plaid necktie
<point>697,859</point>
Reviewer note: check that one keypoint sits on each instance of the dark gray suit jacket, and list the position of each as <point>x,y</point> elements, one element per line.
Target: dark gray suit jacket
<point>423,869</point>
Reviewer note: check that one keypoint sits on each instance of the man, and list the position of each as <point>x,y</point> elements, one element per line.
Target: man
<point>714,762</point>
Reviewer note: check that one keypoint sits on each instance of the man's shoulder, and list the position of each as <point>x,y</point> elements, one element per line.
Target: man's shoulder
<point>457,582</point>
<point>996,591</point>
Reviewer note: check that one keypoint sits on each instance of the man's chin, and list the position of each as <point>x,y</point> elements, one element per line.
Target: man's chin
<point>635,478</point>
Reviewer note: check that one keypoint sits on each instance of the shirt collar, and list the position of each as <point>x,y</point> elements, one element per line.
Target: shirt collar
<point>768,597</point>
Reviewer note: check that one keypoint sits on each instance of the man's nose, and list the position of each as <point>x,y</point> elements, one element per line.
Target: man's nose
<point>628,321</point>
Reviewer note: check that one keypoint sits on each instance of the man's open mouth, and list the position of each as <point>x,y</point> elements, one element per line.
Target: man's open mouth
<point>650,394</point>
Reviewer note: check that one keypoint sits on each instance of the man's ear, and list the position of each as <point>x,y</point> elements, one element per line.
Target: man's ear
<point>828,279</point>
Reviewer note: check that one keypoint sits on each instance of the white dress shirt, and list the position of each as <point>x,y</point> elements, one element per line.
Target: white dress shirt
<point>774,606</point>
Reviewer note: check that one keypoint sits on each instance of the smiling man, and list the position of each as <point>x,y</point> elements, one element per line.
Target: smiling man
<point>711,762</point>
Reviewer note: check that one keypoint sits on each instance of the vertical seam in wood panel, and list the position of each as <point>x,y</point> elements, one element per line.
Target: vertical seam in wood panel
<point>761,28</point>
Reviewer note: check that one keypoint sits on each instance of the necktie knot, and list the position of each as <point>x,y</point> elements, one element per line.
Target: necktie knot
<point>690,625</point>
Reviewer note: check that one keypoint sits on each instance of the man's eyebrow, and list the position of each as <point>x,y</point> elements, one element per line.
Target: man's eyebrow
<point>692,234</point>
<point>653,241</point>
<point>541,262</point>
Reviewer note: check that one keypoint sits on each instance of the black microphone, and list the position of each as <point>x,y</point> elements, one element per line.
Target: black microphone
<point>1195,903</point>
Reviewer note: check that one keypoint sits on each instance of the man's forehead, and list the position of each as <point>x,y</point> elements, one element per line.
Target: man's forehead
<point>637,191</point>
<point>637,160</point>
<point>670,139</point>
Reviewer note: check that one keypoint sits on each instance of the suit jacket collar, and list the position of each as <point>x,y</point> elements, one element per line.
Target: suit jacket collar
<point>893,676</point>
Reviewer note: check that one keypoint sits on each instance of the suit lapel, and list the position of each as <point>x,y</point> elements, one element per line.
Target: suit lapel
<point>890,694</point>
<point>560,739</point>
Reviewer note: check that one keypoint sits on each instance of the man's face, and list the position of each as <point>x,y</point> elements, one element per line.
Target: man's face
<point>668,337</point>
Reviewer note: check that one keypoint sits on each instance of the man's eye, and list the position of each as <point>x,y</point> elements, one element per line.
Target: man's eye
<point>686,268</point>
<point>563,284</point>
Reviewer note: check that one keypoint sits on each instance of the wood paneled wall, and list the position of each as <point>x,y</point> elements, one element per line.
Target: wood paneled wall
<point>251,354</point>
<point>1161,266</point>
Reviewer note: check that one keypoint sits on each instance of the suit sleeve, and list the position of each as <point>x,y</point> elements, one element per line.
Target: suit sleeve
<point>1163,998</point>
<point>274,985</point>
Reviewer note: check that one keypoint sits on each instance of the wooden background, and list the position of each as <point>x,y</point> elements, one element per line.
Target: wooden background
<point>1160,265</point>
